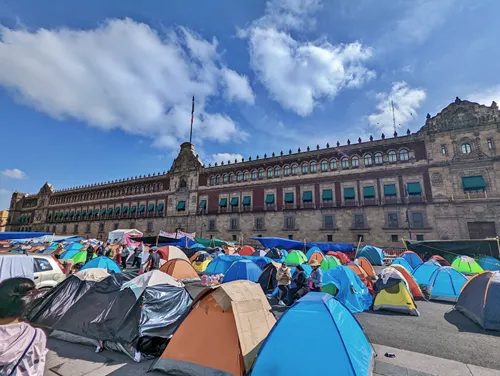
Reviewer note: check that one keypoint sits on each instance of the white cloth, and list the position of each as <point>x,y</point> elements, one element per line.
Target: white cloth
<point>16,266</point>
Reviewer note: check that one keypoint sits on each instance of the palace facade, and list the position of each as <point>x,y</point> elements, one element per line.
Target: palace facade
<point>442,182</point>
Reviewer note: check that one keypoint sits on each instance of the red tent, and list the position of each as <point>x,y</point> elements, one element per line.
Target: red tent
<point>246,250</point>
<point>342,257</point>
<point>442,261</point>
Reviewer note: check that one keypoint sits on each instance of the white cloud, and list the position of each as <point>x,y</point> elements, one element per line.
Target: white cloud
<point>486,96</point>
<point>124,75</point>
<point>299,74</point>
<point>406,101</point>
<point>14,173</point>
<point>224,157</point>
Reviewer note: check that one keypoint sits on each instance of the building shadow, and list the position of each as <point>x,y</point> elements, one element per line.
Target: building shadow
<point>464,324</point>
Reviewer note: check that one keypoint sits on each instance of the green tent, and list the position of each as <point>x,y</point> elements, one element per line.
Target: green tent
<point>296,258</point>
<point>330,262</point>
<point>466,264</point>
<point>330,289</point>
<point>81,257</point>
<point>212,242</point>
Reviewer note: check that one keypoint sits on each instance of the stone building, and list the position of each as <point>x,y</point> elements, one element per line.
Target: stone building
<point>4,215</point>
<point>442,182</point>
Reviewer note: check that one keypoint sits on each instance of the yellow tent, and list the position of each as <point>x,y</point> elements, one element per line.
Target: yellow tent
<point>393,294</point>
<point>200,266</point>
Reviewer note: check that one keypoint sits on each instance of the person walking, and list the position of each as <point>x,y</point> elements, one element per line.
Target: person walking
<point>110,252</point>
<point>316,278</point>
<point>22,347</point>
<point>90,253</point>
<point>283,277</point>
<point>118,255</point>
<point>301,285</point>
<point>137,257</point>
<point>125,255</point>
<point>153,262</point>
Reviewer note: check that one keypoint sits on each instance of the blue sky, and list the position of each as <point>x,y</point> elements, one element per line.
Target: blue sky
<point>94,91</point>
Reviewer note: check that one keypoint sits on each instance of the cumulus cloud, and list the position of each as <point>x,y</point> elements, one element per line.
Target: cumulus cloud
<point>299,74</point>
<point>224,157</point>
<point>406,101</point>
<point>14,173</point>
<point>124,75</point>
<point>486,96</point>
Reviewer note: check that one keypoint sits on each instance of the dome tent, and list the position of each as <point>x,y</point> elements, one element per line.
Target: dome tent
<point>367,266</point>
<point>412,284</point>
<point>373,254</point>
<point>412,259</point>
<point>318,256</point>
<point>295,258</point>
<point>445,284</point>
<point>330,262</point>
<point>102,262</point>
<point>276,254</point>
<point>170,252</point>
<point>466,264</point>
<point>242,270</point>
<point>311,251</point>
<point>489,263</point>
<point>392,294</point>
<point>246,250</point>
<point>440,259</point>
<point>401,261</point>
<point>180,269</point>
<point>424,272</point>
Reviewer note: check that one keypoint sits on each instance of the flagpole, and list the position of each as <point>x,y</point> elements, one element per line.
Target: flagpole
<point>192,118</point>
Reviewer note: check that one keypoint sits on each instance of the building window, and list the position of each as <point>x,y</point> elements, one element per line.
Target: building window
<point>75,228</point>
<point>270,200</point>
<point>393,220</point>
<point>211,225</point>
<point>490,143</point>
<point>239,177</point>
<point>328,221</point>
<point>277,172</point>
<point>132,225</point>
<point>392,156</point>
<point>286,170</point>
<point>261,174</point>
<point>360,238</point>
<point>295,169</point>
<point>473,184</point>
<point>403,155</point>
<point>290,237</point>
<point>420,237</point>
<point>349,194</point>
<point>245,176</point>
<point>259,223</point>
<point>223,202</point>
<point>53,229</point>
<point>212,180</point>
<point>217,180</point>
<point>414,189</point>
<point>234,202</point>
<point>333,164</point>
<point>379,158</point>
<point>150,226</point>
<point>359,221</point>
<point>368,160</point>
<point>443,149</point>
<point>181,206</point>
<point>417,220</point>
<point>254,175</point>
<point>101,227</point>
<point>355,161</point>
<point>327,195</point>
<point>247,201</point>
<point>225,178</point>
<point>329,238</point>
<point>345,163</point>
<point>466,149</point>
<point>394,238</point>
<point>289,223</point>
<point>270,173</point>
<point>307,196</point>
<point>289,198</point>
<point>232,178</point>
<point>369,192</point>
<point>312,167</point>
<point>64,229</point>
<point>233,224</point>
<point>305,168</point>
<point>324,166</point>
<point>235,238</point>
<point>115,226</point>
<point>390,190</point>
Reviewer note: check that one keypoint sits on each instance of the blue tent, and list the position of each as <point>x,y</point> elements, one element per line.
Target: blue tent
<point>334,247</point>
<point>412,259</point>
<point>445,284</point>
<point>242,269</point>
<point>73,246</point>
<point>102,262</point>
<point>372,254</point>
<point>401,261</point>
<point>197,245</point>
<point>489,263</point>
<point>311,251</point>
<point>340,345</point>
<point>68,254</point>
<point>260,261</point>
<point>351,291</point>
<point>220,264</point>
<point>424,272</point>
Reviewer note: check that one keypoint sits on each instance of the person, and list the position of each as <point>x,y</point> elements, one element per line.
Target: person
<point>110,252</point>
<point>22,347</point>
<point>102,247</point>
<point>153,262</point>
<point>316,277</point>
<point>301,285</point>
<point>90,253</point>
<point>137,257</point>
<point>58,251</point>
<point>118,255</point>
<point>283,277</point>
<point>125,255</point>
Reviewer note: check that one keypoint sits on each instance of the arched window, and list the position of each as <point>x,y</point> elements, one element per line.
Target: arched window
<point>286,170</point>
<point>312,167</point>
<point>245,176</point>
<point>355,161</point>
<point>254,175</point>
<point>368,160</point>
<point>232,177</point>
<point>392,156</point>
<point>217,180</point>
<point>378,158</point>
<point>324,166</point>
<point>466,149</point>
<point>295,169</point>
<point>225,178</point>
<point>261,173</point>
<point>269,173</point>
<point>240,176</point>
<point>211,180</point>
<point>403,155</point>
<point>277,172</point>
<point>305,168</point>
<point>345,162</point>
<point>333,164</point>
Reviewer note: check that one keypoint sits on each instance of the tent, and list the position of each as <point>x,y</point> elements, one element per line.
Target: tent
<point>222,334</point>
<point>121,235</point>
<point>403,262</point>
<point>267,279</point>
<point>67,254</point>
<point>350,291</point>
<point>170,252</point>
<point>277,254</point>
<point>466,264</point>
<point>412,259</point>
<point>260,261</point>
<point>329,262</point>
<point>220,264</point>
<point>295,258</point>
<point>242,269</point>
<point>480,298</point>
<point>489,263</point>
<point>179,269</point>
<point>423,273</point>
<point>412,284</point>
<point>372,254</point>
<point>340,345</point>
<point>81,257</point>
<point>441,260</point>
<point>73,247</point>
<point>360,272</point>
<point>260,253</point>
<point>102,262</point>
<point>201,263</point>
<point>311,251</point>
<point>196,254</point>
<point>212,242</point>
<point>367,266</point>
<point>197,245</point>
<point>342,257</point>
<point>318,256</point>
<point>391,293</point>
<point>246,250</point>
<point>445,284</point>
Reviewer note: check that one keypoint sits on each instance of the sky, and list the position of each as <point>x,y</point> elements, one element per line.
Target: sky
<point>95,91</point>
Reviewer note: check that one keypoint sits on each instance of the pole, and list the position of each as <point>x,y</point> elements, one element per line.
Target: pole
<point>408,213</point>
<point>192,119</point>
<point>393,116</point>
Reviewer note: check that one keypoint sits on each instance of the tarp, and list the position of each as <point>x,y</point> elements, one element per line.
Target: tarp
<point>445,284</point>
<point>21,235</point>
<point>13,266</point>
<point>212,242</point>
<point>445,248</point>
<point>269,242</point>
<point>373,254</point>
<point>242,270</point>
<point>324,324</point>
<point>423,273</point>
<point>102,262</point>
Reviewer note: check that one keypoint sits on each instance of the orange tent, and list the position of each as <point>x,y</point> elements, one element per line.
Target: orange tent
<point>367,266</point>
<point>170,252</point>
<point>246,250</point>
<point>179,269</point>
<point>360,272</point>
<point>318,256</point>
<point>442,261</point>
<point>412,284</point>
<point>223,331</point>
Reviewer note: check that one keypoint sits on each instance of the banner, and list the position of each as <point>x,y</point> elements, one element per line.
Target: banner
<point>178,234</point>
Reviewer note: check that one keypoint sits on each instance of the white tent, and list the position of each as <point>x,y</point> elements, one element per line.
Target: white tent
<point>120,234</point>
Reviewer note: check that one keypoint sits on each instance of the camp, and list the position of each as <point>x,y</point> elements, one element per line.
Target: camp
<point>367,266</point>
<point>81,257</point>
<point>372,254</point>
<point>329,262</point>
<point>445,284</point>
<point>480,298</point>
<point>242,269</point>
<point>102,262</point>
<point>295,258</point>
<point>341,256</point>
<point>179,269</point>
<point>441,260</point>
<point>246,250</point>
<point>360,272</point>
<point>412,259</point>
<point>415,290</point>
<point>170,252</point>
<point>201,262</point>
<point>277,254</point>
<point>342,347</point>
<point>267,279</point>
<point>391,293</point>
<point>196,254</point>
<point>424,272</point>
<point>318,256</point>
<point>466,265</point>
<point>220,264</point>
<point>214,333</point>
<point>489,263</point>
<point>401,261</point>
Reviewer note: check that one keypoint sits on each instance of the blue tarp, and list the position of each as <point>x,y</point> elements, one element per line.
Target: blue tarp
<point>489,263</point>
<point>372,254</point>
<point>102,262</point>
<point>21,235</point>
<point>269,242</point>
<point>412,259</point>
<point>242,269</point>
<point>445,284</point>
<point>424,272</point>
<point>351,291</point>
<point>401,261</point>
<point>333,341</point>
<point>180,242</point>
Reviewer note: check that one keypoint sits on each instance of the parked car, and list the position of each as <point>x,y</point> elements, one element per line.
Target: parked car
<point>48,271</point>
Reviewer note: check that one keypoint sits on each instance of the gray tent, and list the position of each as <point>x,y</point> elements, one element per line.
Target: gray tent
<point>480,299</point>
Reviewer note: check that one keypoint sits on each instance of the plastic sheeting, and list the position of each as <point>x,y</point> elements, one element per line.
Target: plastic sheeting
<point>14,266</point>
<point>21,235</point>
<point>269,242</point>
<point>445,248</point>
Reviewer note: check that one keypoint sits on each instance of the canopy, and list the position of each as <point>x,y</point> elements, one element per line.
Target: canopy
<point>102,262</point>
<point>269,242</point>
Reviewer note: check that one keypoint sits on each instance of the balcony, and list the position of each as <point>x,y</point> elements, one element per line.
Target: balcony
<point>223,209</point>
<point>416,199</point>
<point>350,203</point>
<point>247,208</point>
<point>370,202</point>
<point>270,207</point>
<point>288,206</point>
<point>234,209</point>
<point>391,200</point>
<point>327,204</point>
<point>308,205</point>
<point>359,226</point>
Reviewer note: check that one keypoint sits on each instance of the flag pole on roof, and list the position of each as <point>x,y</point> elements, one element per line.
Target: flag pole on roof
<point>192,119</point>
